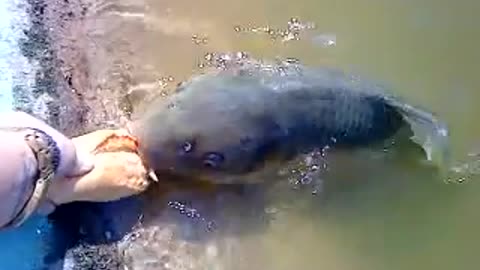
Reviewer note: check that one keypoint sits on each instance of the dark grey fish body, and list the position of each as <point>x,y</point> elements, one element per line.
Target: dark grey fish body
<point>230,123</point>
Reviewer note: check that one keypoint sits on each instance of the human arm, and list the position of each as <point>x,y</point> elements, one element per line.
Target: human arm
<point>17,167</point>
<point>33,155</point>
<point>116,174</point>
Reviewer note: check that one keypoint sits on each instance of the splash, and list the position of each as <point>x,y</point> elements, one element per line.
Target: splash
<point>295,28</point>
<point>464,171</point>
<point>325,40</point>
<point>199,39</point>
<point>223,60</point>
<point>307,173</point>
<point>192,214</point>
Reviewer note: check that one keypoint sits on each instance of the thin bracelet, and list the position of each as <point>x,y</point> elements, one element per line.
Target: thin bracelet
<point>48,154</point>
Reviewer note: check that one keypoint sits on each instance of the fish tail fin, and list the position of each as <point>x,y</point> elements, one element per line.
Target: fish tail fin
<point>429,132</point>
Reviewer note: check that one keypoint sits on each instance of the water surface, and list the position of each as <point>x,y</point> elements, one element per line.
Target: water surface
<point>381,214</point>
<point>390,212</point>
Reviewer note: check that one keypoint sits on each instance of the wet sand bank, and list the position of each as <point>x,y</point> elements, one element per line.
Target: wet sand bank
<point>82,84</point>
<point>66,95</point>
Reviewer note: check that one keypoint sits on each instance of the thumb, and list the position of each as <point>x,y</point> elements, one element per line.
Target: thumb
<point>83,164</point>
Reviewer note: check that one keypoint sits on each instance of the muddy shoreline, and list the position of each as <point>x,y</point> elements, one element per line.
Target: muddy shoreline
<point>83,84</point>
<point>74,102</point>
<point>84,61</point>
<point>65,95</point>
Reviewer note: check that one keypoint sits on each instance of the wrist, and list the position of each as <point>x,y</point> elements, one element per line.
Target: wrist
<point>17,169</point>
<point>26,179</point>
<point>41,159</point>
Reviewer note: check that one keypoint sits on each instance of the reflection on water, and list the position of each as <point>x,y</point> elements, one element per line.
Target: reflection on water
<point>385,211</point>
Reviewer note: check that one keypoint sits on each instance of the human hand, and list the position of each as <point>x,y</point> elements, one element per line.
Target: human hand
<point>33,149</point>
<point>116,174</point>
<point>73,161</point>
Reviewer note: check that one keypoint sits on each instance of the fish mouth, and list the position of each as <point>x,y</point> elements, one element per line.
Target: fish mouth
<point>182,180</point>
<point>201,181</point>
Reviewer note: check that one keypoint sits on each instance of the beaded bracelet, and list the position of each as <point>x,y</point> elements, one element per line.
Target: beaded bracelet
<point>48,155</point>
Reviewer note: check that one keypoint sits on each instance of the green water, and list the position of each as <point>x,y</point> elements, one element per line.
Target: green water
<point>380,215</point>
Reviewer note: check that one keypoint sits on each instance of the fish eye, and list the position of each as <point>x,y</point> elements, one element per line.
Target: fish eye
<point>187,147</point>
<point>213,160</point>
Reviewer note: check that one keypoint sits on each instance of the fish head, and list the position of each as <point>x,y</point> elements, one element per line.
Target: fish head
<point>205,137</point>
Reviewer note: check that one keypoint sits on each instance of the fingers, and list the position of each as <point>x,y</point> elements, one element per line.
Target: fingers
<point>91,140</point>
<point>136,173</point>
<point>85,145</point>
<point>115,176</point>
<point>82,164</point>
<point>86,177</point>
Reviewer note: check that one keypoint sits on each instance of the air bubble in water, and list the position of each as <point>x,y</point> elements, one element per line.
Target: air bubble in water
<point>292,32</point>
<point>325,40</point>
<point>191,213</point>
<point>199,40</point>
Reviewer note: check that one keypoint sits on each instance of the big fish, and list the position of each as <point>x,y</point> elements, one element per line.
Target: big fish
<point>225,126</point>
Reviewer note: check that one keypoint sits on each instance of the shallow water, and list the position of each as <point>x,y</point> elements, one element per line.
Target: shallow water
<point>375,213</point>
<point>18,248</point>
